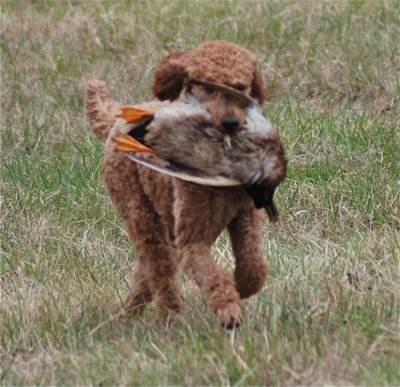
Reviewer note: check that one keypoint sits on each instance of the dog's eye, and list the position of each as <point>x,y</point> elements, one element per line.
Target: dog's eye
<point>239,87</point>
<point>209,89</point>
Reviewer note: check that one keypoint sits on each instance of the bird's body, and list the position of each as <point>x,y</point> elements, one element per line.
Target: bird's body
<point>183,134</point>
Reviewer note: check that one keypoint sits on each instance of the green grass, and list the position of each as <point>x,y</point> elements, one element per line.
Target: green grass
<point>329,312</point>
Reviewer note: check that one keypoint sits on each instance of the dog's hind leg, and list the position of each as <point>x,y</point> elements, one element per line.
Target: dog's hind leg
<point>245,235</point>
<point>139,295</point>
<point>158,256</point>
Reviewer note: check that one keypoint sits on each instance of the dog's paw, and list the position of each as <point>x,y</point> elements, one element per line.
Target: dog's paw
<point>167,306</point>
<point>122,310</point>
<point>133,304</point>
<point>230,315</point>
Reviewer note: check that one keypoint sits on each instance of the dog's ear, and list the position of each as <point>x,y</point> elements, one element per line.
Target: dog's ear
<point>258,89</point>
<point>169,78</point>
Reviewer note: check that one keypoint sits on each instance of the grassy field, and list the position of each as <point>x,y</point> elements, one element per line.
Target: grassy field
<point>329,313</point>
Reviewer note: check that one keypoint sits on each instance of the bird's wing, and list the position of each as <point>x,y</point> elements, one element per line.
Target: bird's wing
<point>189,175</point>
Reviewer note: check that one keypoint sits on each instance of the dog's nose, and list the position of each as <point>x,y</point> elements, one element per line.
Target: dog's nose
<point>230,123</point>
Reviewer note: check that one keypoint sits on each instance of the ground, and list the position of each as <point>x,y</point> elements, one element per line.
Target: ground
<point>329,312</point>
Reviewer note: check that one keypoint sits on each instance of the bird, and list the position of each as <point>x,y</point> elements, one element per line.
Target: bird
<point>184,136</point>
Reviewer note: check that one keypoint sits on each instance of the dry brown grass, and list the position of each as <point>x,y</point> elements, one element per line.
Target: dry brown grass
<point>329,313</point>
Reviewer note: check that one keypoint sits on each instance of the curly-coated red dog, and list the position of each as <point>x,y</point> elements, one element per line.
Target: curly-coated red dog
<point>172,222</point>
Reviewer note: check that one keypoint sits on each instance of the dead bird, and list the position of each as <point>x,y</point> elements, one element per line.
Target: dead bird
<point>184,135</point>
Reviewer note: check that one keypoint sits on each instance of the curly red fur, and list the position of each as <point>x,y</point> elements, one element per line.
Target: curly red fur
<point>215,61</point>
<point>172,222</point>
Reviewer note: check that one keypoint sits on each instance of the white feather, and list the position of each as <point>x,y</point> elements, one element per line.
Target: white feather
<point>182,111</point>
<point>256,122</point>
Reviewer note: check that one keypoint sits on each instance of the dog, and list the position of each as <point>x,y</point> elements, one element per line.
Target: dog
<point>172,222</point>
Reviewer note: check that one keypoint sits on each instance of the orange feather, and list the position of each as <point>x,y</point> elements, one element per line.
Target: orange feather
<point>128,144</point>
<point>134,114</point>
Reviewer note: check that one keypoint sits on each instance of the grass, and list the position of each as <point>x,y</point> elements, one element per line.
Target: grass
<point>329,312</point>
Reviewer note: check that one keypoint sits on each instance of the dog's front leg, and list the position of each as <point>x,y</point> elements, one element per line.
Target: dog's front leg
<point>155,274</point>
<point>199,220</point>
<point>245,234</point>
<point>216,283</point>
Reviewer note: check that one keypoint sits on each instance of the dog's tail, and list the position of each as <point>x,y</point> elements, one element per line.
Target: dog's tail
<point>100,108</point>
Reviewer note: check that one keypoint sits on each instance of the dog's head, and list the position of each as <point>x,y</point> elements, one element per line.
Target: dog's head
<point>218,62</point>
